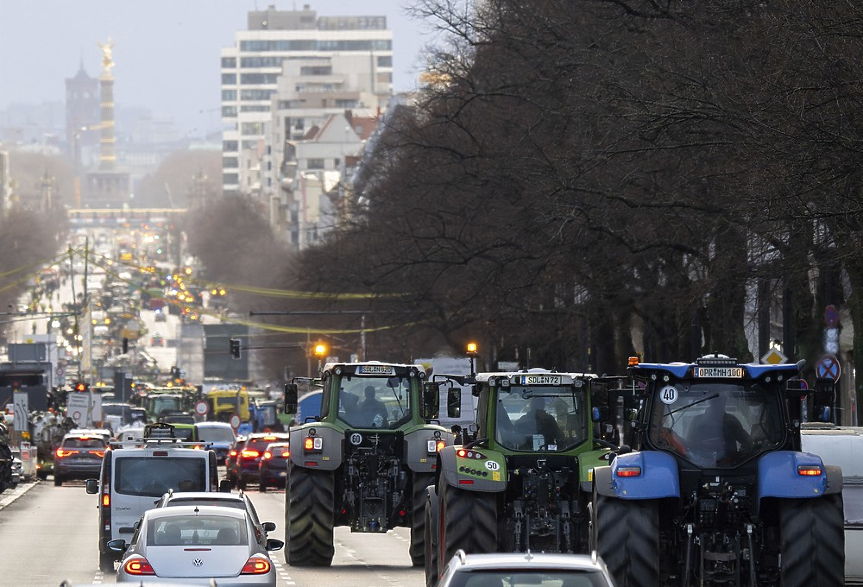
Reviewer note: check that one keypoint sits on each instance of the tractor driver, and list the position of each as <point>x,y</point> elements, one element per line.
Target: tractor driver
<point>372,411</point>
<point>719,431</point>
<point>536,419</point>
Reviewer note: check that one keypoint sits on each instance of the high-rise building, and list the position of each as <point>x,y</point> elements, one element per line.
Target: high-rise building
<point>320,45</point>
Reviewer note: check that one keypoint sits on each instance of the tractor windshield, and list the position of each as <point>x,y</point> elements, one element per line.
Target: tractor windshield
<point>716,424</point>
<point>540,418</point>
<point>374,402</point>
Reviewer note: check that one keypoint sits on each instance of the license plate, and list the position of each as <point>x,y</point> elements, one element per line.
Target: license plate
<point>541,379</point>
<point>720,372</point>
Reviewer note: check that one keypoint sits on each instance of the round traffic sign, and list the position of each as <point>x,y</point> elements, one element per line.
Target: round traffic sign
<point>202,407</point>
<point>234,421</point>
<point>828,366</point>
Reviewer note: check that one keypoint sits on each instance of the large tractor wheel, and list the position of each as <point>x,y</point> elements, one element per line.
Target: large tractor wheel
<point>468,521</point>
<point>430,542</point>
<point>106,562</point>
<point>309,518</point>
<point>421,481</point>
<point>812,539</point>
<point>626,535</point>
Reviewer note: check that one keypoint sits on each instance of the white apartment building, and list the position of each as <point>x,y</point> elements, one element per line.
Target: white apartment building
<point>294,67</point>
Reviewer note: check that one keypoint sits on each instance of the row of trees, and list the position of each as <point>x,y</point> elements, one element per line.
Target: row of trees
<point>582,180</point>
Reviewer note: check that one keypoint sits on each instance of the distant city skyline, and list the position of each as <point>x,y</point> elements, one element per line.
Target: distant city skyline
<point>166,51</point>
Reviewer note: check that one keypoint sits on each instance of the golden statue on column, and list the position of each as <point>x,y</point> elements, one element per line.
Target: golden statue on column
<point>107,56</point>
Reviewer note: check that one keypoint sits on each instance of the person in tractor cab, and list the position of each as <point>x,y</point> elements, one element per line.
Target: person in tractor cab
<point>372,411</point>
<point>718,430</point>
<point>538,421</point>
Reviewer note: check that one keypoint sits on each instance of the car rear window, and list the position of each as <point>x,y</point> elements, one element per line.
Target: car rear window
<point>208,434</point>
<point>154,476</point>
<point>541,577</point>
<point>91,442</point>
<point>260,443</point>
<point>200,530</point>
<point>225,503</point>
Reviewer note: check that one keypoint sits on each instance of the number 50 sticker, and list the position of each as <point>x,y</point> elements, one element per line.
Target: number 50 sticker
<point>668,394</point>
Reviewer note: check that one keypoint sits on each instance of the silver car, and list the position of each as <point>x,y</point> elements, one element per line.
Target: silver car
<point>517,569</point>
<point>195,544</point>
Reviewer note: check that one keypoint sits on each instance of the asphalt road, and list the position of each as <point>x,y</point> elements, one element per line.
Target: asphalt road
<point>48,534</point>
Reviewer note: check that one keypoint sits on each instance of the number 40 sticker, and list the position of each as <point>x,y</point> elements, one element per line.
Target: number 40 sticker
<point>668,394</point>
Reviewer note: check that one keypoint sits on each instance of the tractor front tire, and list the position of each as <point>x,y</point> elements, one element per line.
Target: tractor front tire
<point>812,541</point>
<point>309,518</point>
<point>627,538</point>
<point>421,481</point>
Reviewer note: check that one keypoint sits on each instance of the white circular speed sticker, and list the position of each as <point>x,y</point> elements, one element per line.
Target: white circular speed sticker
<point>668,394</point>
<point>356,439</point>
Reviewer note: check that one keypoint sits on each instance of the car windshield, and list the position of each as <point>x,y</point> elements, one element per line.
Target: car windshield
<point>552,418</point>
<point>196,530</point>
<point>529,578</point>
<point>214,434</point>
<point>715,424</point>
<point>154,476</point>
<point>374,402</point>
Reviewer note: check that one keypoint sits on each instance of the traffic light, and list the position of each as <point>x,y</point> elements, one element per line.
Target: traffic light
<point>235,348</point>
<point>81,386</point>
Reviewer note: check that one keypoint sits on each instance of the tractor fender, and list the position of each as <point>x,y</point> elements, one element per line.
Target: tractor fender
<point>602,481</point>
<point>418,457</point>
<point>328,458</point>
<point>473,469</point>
<point>644,475</point>
<point>779,476</point>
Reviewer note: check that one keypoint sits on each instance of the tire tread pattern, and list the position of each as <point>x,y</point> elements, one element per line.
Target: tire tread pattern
<point>812,536</point>
<point>469,519</point>
<point>627,539</point>
<point>310,520</point>
<point>420,483</point>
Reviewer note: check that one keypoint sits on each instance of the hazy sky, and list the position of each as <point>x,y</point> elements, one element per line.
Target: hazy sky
<point>166,51</point>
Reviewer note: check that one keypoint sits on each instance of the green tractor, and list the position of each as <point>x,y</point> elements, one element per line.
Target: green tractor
<point>364,461</point>
<point>523,479</point>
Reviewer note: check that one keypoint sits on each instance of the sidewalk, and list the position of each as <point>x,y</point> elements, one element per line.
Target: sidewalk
<point>11,495</point>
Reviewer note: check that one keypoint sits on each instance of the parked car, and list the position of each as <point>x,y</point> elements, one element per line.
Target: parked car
<point>218,435</point>
<point>220,499</point>
<point>196,543</point>
<point>519,569</point>
<point>246,469</point>
<point>79,456</point>
<point>273,467</point>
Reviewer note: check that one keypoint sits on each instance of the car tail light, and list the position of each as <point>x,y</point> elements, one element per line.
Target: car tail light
<point>256,565</point>
<point>233,453</point>
<point>267,455</point>
<point>106,500</point>
<point>270,438</point>
<point>286,453</point>
<point>139,566</point>
<point>65,453</point>
<point>250,454</point>
<point>98,453</point>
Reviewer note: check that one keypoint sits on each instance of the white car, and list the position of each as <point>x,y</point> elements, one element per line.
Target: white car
<point>196,544</point>
<point>843,446</point>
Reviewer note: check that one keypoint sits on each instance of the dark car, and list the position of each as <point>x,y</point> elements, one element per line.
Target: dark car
<point>248,458</point>
<point>273,468</point>
<point>79,456</point>
<point>218,436</point>
<point>231,460</point>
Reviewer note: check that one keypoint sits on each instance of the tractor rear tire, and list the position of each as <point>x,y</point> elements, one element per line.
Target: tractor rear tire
<point>812,539</point>
<point>309,518</point>
<point>421,481</point>
<point>627,539</point>
<point>468,521</point>
<point>106,562</point>
<point>431,549</point>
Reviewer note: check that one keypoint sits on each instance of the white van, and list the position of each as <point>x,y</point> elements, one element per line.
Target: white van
<point>843,446</point>
<point>133,478</point>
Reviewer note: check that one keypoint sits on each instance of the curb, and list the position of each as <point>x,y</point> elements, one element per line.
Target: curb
<point>20,489</point>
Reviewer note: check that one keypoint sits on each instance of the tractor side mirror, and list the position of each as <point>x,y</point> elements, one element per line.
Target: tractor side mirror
<point>453,402</point>
<point>291,394</point>
<point>431,400</point>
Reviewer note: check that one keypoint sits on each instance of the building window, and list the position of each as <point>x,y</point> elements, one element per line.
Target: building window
<point>229,63</point>
<point>230,162</point>
<point>229,95</point>
<point>385,61</point>
<point>251,79</point>
<point>230,178</point>
<point>252,128</point>
<point>229,111</point>
<point>314,164</point>
<point>230,146</point>
<point>256,94</point>
<point>229,79</point>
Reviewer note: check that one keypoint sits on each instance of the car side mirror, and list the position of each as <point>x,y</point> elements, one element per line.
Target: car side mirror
<point>269,526</point>
<point>91,486</point>
<point>118,545</point>
<point>291,395</point>
<point>273,544</point>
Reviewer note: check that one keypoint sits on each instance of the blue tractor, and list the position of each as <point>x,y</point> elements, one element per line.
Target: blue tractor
<point>711,487</point>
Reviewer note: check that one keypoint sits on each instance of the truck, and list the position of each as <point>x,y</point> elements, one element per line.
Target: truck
<point>226,402</point>
<point>710,486</point>
<point>521,480</point>
<point>364,461</point>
